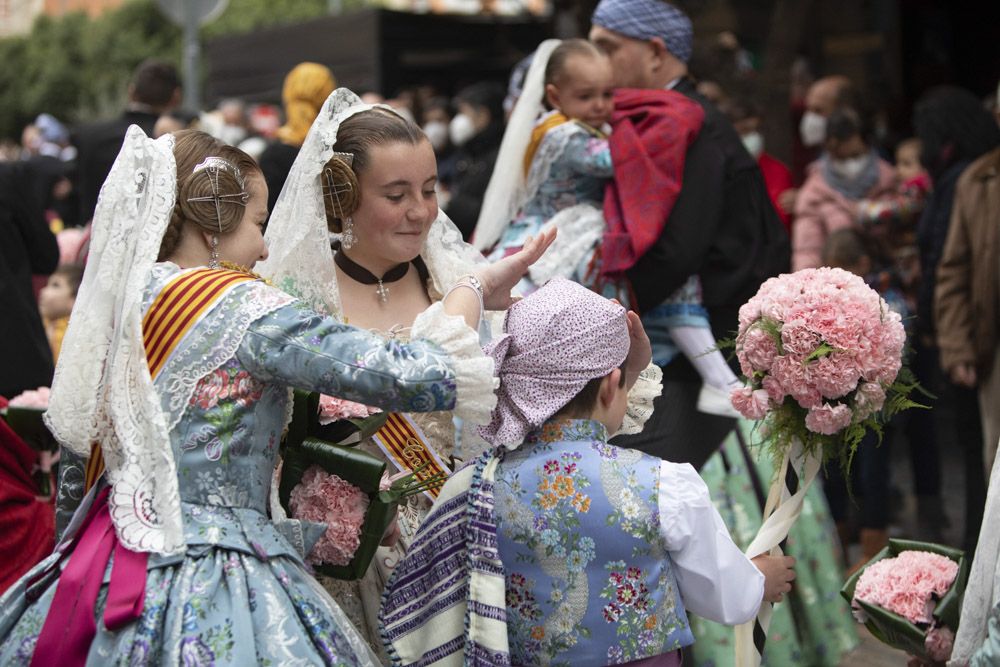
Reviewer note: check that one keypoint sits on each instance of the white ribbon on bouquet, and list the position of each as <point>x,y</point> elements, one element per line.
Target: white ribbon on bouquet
<point>783,507</point>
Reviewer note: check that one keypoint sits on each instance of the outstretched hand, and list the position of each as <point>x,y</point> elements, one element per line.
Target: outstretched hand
<point>499,278</point>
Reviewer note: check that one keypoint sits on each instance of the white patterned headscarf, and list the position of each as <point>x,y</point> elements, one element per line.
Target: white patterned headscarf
<point>554,342</point>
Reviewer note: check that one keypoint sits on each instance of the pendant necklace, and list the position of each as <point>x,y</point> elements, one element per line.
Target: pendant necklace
<point>362,275</point>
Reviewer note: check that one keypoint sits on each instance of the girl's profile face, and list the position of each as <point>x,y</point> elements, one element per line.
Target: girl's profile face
<point>245,244</point>
<point>398,202</point>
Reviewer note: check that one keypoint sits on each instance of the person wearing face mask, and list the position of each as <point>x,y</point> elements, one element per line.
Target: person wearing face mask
<point>476,132</point>
<point>746,118</point>
<point>821,99</point>
<point>848,171</point>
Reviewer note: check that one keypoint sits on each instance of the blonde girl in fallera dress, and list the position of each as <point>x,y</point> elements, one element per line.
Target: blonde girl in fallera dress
<point>396,223</point>
<point>172,552</point>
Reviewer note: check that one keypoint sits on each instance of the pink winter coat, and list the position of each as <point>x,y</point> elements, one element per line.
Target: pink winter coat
<point>820,210</point>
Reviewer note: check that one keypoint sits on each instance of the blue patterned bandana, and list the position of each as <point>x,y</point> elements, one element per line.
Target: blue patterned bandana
<point>646,19</point>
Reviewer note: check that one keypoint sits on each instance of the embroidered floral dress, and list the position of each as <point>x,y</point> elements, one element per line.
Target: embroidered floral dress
<point>567,550</point>
<point>240,594</point>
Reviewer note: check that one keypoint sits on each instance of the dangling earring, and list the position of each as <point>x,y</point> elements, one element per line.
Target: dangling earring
<point>213,258</point>
<point>348,239</point>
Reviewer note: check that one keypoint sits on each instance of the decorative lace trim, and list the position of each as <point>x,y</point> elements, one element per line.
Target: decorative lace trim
<point>551,149</point>
<point>102,391</point>
<point>640,400</point>
<point>212,342</point>
<point>474,374</point>
<point>581,228</point>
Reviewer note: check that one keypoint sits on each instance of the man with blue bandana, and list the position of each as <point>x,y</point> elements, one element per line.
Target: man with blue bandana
<point>722,228</point>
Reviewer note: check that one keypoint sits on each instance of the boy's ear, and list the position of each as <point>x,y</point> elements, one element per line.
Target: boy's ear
<point>610,386</point>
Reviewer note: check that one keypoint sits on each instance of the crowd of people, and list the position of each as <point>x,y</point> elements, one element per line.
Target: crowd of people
<point>532,280</point>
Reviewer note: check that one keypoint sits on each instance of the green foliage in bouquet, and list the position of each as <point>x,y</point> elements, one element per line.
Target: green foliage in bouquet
<point>786,423</point>
<point>891,628</point>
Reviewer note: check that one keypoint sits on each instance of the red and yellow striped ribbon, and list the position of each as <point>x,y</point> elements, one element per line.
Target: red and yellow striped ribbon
<point>175,310</point>
<point>405,444</point>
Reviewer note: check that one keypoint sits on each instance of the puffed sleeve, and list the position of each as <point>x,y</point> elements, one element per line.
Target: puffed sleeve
<point>716,580</point>
<point>647,387</point>
<point>441,368</point>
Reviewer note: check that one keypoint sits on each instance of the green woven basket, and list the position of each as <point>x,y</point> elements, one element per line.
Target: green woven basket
<point>893,629</point>
<point>28,424</point>
<point>356,467</point>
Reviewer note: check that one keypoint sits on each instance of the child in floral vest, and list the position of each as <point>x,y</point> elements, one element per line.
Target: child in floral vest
<point>557,547</point>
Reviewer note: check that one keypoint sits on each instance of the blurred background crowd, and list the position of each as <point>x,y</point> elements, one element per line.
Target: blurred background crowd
<point>876,125</point>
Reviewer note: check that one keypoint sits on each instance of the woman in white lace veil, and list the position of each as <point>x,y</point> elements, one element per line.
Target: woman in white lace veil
<point>312,211</point>
<point>179,371</point>
<point>978,640</point>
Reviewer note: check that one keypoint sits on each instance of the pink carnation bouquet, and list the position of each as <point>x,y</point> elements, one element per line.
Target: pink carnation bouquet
<point>327,498</point>
<point>821,353</point>
<point>909,597</point>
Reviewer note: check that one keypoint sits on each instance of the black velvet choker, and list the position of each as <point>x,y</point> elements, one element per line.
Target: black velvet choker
<point>359,273</point>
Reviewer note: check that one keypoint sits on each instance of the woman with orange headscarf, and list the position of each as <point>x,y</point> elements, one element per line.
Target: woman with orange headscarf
<point>306,88</point>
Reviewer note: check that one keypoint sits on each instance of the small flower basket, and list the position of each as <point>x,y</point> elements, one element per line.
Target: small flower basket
<point>930,640</point>
<point>341,486</point>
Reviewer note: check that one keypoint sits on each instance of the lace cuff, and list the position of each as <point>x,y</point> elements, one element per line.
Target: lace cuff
<point>640,400</point>
<point>474,376</point>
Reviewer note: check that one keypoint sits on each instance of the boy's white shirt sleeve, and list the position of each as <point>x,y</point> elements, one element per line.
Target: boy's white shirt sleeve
<point>717,581</point>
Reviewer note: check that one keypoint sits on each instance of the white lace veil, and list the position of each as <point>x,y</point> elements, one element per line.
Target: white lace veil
<point>300,260</point>
<point>102,391</point>
<point>506,192</point>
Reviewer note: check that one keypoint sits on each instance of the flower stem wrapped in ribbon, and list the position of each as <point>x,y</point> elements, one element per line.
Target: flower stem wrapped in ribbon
<point>821,354</point>
<point>909,596</point>
<point>341,486</point>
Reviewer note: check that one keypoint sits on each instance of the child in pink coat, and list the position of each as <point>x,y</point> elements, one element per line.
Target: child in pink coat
<point>848,171</point>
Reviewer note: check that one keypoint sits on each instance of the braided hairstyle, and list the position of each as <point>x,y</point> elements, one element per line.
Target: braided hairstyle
<point>191,147</point>
<point>358,135</point>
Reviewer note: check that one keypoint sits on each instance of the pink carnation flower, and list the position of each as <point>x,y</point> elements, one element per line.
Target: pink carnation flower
<point>333,409</point>
<point>828,419</point>
<point>326,498</point>
<point>751,403</point>
<point>907,584</point>
<point>33,398</point>
<point>869,399</point>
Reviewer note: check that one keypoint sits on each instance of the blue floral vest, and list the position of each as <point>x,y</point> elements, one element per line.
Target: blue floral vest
<point>588,579</point>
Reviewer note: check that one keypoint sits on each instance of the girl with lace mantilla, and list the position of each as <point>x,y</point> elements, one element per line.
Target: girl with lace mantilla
<point>393,222</point>
<point>181,372</point>
<point>608,210</point>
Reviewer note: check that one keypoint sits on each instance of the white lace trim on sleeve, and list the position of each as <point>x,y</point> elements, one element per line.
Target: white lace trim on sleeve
<point>474,374</point>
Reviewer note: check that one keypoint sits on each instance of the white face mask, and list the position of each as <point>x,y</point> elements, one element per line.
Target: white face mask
<point>437,133</point>
<point>754,143</point>
<point>812,129</point>
<point>461,129</point>
<point>850,168</point>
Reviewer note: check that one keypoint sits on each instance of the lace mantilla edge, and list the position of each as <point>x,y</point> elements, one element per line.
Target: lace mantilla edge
<point>474,374</point>
<point>640,400</point>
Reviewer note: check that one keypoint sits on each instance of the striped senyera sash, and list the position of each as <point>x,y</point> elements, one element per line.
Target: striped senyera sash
<point>173,313</point>
<point>403,443</point>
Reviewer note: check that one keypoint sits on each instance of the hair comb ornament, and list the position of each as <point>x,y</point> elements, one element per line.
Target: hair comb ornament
<point>340,185</point>
<point>213,166</point>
